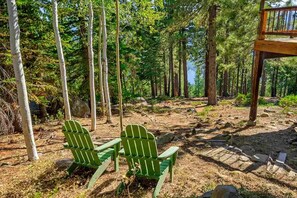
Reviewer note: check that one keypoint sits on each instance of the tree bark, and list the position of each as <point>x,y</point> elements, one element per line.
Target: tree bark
<point>165,85</point>
<point>237,79</point>
<point>61,61</point>
<point>185,67</point>
<point>171,68</point>
<point>20,80</point>
<point>105,66</point>
<point>225,84</point>
<point>263,83</point>
<point>119,66</point>
<point>102,97</point>
<point>91,67</point>
<point>179,68</point>
<point>212,92</point>
<point>176,84</point>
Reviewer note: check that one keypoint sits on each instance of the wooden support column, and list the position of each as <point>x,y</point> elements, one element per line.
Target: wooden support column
<point>257,71</point>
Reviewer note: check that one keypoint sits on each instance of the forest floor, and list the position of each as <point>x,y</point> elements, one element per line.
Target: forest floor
<point>216,147</point>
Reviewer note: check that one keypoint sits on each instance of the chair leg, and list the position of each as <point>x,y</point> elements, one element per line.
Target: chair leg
<point>71,168</point>
<point>171,172</point>
<point>98,173</point>
<point>116,163</point>
<point>159,185</point>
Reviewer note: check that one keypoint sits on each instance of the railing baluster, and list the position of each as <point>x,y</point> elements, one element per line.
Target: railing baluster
<point>280,21</point>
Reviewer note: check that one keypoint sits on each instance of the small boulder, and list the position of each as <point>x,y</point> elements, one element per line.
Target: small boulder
<point>79,108</point>
<point>269,111</point>
<point>290,113</point>
<point>166,138</point>
<point>264,115</point>
<point>223,191</point>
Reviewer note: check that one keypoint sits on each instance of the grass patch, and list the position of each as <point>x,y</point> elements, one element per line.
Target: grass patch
<point>205,111</point>
<point>225,102</point>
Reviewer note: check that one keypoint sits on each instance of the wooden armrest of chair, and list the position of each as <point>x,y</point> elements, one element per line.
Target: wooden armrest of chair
<point>108,145</point>
<point>168,153</point>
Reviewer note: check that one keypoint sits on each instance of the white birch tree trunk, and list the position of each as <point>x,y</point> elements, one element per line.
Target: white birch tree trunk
<point>61,61</point>
<point>102,96</point>
<point>20,80</point>
<point>91,67</point>
<point>118,65</point>
<point>105,65</point>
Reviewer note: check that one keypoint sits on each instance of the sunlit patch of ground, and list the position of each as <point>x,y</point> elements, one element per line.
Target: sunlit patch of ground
<point>196,171</point>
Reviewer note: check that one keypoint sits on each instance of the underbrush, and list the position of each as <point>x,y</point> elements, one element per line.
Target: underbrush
<point>243,100</point>
<point>288,101</point>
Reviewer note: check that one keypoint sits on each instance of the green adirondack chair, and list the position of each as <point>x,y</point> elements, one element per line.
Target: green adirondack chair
<point>86,154</point>
<point>140,151</point>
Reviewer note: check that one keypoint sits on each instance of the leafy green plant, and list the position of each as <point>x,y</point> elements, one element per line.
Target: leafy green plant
<point>243,100</point>
<point>288,101</point>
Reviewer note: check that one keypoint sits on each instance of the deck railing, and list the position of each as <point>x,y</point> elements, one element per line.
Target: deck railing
<point>279,21</point>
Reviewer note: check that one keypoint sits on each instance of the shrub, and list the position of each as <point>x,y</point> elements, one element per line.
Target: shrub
<point>243,100</point>
<point>288,101</point>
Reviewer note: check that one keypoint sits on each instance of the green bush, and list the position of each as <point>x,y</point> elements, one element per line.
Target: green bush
<point>288,101</point>
<point>243,100</point>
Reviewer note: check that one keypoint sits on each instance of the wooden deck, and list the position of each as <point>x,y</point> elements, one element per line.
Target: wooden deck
<point>283,46</point>
<point>275,22</point>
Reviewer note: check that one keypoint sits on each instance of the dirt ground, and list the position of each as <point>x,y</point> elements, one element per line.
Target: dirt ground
<point>215,148</point>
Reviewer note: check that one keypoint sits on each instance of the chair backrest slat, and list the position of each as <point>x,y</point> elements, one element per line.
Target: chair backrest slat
<point>140,147</point>
<point>80,143</point>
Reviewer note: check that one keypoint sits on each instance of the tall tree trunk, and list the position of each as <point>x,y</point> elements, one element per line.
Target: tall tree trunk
<point>101,87</point>
<point>171,68</point>
<point>105,66</point>
<point>153,90</point>
<point>212,91</point>
<point>225,83</point>
<point>237,79</point>
<point>20,80</point>
<point>61,61</point>
<point>119,66</point>
<point>263,83</point>
<point>179,68</point>
<point>242,80</point>
<point>185,67</point>
<point>176,84</point>
<point>165,85</point>
<point>91,67</point>
<point>273,80</point>
<point>206,75</point>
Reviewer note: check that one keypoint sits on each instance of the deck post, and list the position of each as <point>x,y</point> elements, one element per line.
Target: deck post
<point>257,71</point>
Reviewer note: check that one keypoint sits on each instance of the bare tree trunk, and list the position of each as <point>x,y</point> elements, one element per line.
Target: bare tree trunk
<point>179,67</point>
<point>171,68</point>
<point>212,84</point>
<point>61,61</point>
<point>176,84</point>
<point>20,80</point>
<point>237,79</point>
<point>91,67</point>
<point>263,84</point>
<point>206,74</point>
<point>102,97</point>
<point>225,83</point>
<point>105,66</point>
<point>119,66</point>
<point>165,84</point>
<point>185,67</point>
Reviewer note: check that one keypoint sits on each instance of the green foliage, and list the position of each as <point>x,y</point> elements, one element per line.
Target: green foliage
<point>288,101</point>
<point>243,100</point>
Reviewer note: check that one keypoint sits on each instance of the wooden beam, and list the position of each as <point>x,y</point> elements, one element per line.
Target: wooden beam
<point>269,55</point>
<point>278,47</point>
<point>257,71</point>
